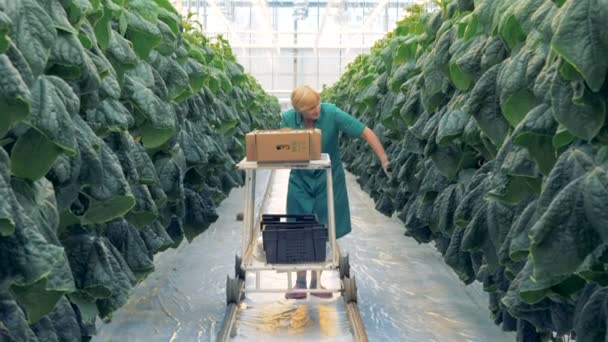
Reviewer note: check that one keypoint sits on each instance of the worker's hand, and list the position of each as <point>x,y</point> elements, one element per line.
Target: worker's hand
<point>386,166</point>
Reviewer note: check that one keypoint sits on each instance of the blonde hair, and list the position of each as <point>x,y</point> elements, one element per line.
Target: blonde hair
<point>304,98</point>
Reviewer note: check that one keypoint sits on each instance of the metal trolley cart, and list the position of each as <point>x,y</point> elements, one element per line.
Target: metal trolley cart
<point>236,287</point>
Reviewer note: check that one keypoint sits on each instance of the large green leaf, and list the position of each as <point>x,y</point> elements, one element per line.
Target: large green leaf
<point>100,271</point>
<point>156,238</point>
<point>143,73</point>
<point>518,105</point>
<point>159,117</point>
<point>517,247</point>
<point>5,29</point>
<point>9,204</point>
<point>583,113</point>
<point>33,32</point>
<point>595,197</point>
<point>33,155</point>
<point>152,10</point>
<point>109,116</point>
<point>485,13</point>
<point>494,52</point>
<point>86,307</point>
<point>61,323</point>
<point>524,11</point>
<point>51,117</point>
<point>104,68</point>
<point>170,169</point>
<point>535,132</point>
<point>593,269</point>
<point>451,126</point>
<point>450,159</point>
<point>14,325</point>
<point>27,257</point>
<point>78,10</point>
<point>461,80</point>
<point>561,238</point>
<point>112,198</point>
<point>67,58</point>
<point>144,211</point>
<point>36,299</point>
<point>120,53</point>
<point>144,35</point>
<point>515,81</point>
<point>59,16</point>
<point>562,137</point>
<point>580,39</point>
<point>168,44</point>
<point>542,19</point>
<point>143,163</point>
<point>128,241</point>
<point>519,176</point>
<point>166,4</point>
<point>401,75</point>
<point>589,325</point>
<point>174,76</point>
<point>103,28</point>
<point>459,260</point>
<point>484,107</point>
<point>64,174</point>
<point>468,26</point>
<point>196,73</point>
<point>15,96</point>
<point>193,144</point>
<point>511,31</point>
<point>106,192</point>
<point>435,64</point>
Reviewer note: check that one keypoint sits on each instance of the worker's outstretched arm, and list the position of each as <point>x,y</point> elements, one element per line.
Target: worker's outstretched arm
<point>376,145</point>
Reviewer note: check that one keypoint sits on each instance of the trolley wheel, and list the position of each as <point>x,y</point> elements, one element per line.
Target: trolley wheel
<point>239,272</point>
<point>350,289</point>
<point>233,290</point>
<point>344,267</point>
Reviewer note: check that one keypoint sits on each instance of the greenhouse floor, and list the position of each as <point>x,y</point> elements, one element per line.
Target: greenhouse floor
<point>406,292</point>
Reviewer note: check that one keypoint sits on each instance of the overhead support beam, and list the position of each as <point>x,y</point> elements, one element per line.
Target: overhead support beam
<point>302,46</point>
<point>370,20</point>
<point>328,9</point>
<point>312,3</point>
<point>227,23</point>
<point>265,21</point>
<point>291,32</point>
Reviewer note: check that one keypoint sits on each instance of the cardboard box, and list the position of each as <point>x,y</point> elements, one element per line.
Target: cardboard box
<point>284,145</point>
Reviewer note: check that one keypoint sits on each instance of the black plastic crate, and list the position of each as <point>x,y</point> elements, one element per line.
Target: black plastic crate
<point>288,220</point>
<point>294,243</point>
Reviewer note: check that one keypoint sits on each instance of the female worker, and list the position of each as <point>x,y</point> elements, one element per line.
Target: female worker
<point>306,192</point>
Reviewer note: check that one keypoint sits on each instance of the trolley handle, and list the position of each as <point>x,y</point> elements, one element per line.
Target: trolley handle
<point>295,226</point>
<point>297,217</point>
<point>298,220</point>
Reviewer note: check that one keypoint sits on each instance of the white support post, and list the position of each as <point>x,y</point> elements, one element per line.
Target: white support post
<point>330,216</point>
<point>252,222</point>
<point>245,240</point>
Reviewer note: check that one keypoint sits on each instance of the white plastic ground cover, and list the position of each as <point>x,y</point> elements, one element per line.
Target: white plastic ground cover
<point>184,298</point>
<point>406,292</point>
<point>271,317</point>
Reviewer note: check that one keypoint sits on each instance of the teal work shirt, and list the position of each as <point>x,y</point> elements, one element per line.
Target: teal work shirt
<point>306,193</point>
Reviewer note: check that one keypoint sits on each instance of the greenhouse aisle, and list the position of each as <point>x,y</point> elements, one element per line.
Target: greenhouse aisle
<point>406,292</point>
